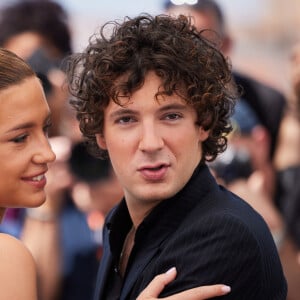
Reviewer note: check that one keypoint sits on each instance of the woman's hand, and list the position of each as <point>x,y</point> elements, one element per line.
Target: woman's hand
<point>156,286</point>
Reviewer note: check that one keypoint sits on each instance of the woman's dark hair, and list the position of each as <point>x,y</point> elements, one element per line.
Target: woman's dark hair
<point>117,60</point>
<point>13,69</point>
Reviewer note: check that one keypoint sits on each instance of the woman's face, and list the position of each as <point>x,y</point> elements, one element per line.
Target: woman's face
<point>24,147</point>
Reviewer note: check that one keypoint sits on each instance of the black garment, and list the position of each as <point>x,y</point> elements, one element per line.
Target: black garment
<point>268,103</point>
<point>210,236</point>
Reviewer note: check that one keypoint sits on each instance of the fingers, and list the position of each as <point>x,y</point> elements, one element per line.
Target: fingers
<point>155,287</point>
<point>201,293</point>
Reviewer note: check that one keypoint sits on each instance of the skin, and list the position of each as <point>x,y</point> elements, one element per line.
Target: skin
<point>17,275</point>
<point>154,146</point>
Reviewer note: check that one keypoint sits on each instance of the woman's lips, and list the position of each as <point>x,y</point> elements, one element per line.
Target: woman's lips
<point>36,181</point>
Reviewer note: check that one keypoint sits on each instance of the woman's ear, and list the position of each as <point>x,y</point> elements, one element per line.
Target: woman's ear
<point>101,141</point>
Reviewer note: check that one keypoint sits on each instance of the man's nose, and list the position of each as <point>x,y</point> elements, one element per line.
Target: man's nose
<point>151,139</point>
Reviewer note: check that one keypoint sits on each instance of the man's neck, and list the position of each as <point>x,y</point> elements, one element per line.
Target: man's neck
<point>138,211</point>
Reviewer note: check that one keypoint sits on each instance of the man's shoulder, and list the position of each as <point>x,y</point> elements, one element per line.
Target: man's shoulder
<point>224,207</point>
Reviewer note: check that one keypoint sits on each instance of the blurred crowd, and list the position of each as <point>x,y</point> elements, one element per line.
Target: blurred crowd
<point>261,164</point>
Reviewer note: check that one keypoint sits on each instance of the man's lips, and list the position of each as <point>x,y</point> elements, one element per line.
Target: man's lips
<point>154,172</point>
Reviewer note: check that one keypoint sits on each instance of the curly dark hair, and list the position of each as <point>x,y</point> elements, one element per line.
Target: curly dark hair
<point>117,60</point>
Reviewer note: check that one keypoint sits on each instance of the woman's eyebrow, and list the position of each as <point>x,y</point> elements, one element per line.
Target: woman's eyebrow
<point>28,125</point>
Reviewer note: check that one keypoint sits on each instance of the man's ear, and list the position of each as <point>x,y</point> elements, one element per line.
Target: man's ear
<point>101,141</point>
<point>203,134</point>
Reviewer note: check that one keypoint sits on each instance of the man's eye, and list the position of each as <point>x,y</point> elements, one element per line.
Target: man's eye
<point>20,139</point>
<point>125,120</point>
<point>173,116</point>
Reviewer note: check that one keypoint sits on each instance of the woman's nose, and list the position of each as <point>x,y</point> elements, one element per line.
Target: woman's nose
<point>44,153</point>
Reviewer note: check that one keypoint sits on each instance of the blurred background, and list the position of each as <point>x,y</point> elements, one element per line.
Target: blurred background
<point>263,30</point>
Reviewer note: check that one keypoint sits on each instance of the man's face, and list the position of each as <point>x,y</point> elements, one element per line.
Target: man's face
<point>154,146</point>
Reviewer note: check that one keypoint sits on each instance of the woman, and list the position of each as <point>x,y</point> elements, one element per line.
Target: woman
<point>24,155</point>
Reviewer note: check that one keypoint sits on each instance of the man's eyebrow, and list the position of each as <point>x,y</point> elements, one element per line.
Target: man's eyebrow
<point>121,112</point>
<point>124,111</point>
<point>173,106</point>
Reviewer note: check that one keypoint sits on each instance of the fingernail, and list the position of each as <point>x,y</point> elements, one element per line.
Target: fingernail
<point>226,289</point>
<point>171,270</point>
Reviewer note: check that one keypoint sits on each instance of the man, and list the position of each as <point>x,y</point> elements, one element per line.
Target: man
<point>156,96</point>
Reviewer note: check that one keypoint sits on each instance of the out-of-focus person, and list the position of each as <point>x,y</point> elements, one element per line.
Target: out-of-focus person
<point>95,191</point>
<point>245,170</point>
<point>32,24</point>
<point>40,32</point>
<point>287,162</point>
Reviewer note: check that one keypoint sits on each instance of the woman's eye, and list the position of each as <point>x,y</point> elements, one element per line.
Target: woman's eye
<point>20,139</point>
<point>46,128</point>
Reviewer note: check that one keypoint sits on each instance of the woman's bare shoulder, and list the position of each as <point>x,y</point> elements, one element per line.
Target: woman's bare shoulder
<point>17,270</point>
